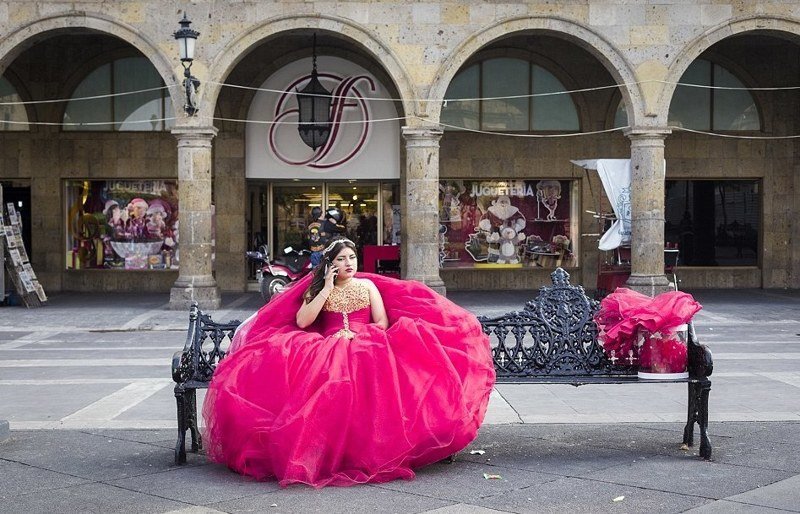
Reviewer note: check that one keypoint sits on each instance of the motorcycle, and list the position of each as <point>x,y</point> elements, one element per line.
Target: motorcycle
<point>273,277</point>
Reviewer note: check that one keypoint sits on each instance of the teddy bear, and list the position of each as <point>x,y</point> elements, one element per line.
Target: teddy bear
<point>508,240</point>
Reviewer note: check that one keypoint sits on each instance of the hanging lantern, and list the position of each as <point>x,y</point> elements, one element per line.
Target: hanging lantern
<point>314,106</point>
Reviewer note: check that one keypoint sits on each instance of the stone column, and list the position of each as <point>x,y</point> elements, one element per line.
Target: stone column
<point>420,208</point>
<point>195,280</point>
<point>647,211</point>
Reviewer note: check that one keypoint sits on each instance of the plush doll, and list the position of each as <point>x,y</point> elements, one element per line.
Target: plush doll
<point>156,226</point>
<point>137,209</point>
<point>502,214</point>
<point>503,224</point>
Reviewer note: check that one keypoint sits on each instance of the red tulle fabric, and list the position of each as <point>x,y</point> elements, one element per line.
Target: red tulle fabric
<point>625,311</point>
<point>305,408</point>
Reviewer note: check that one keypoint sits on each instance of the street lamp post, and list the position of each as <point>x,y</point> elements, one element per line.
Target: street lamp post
<point>186,39</point>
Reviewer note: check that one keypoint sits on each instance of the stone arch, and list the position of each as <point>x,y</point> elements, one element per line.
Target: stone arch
<point>611,58</point>
<point>709,38</point>
<point>31,33</point>
<point>225,61</point>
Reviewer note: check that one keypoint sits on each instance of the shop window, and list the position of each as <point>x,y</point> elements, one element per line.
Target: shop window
<point>12,117</point>
<point>463,113</point>
<point>359,202</point>
<point>291,211</point>
<point>281,214</point>
<point>553,112</point>
<point>121,224</point>
<point>390,197</point>
<point>141,111</point>
<point>507,223</point>
<point>508,77</point>
<point>714,222</point>
<point>506,114</point>
<point>703,108</point>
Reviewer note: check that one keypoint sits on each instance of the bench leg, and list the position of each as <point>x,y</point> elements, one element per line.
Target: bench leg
<point>691,417</point>
<point>698,413</point>
<point>191,404</point>
<point>180,445</point>
<point>705,442</point>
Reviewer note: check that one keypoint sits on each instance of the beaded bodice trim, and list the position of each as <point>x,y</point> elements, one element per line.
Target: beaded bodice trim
<point>351,298</point>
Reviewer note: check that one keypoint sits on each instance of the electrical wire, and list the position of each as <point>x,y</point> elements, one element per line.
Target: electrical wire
<point>84,123</point>
<point>95,97</point>
<point>398,118</point>
<point>266,122</point>
<point>512,97</point>
<point>732,136</point>
<point>427,100</point>
<point>531,136</point>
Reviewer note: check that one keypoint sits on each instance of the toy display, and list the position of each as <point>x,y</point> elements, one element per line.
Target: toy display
<point>512,223</point>
<point>122,224</point>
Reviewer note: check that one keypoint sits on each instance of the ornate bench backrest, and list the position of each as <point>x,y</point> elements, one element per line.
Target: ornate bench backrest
<point>206,345</point>
<point>553,336</point>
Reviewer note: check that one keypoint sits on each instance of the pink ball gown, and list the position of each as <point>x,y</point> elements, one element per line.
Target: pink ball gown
<point>316,407</point>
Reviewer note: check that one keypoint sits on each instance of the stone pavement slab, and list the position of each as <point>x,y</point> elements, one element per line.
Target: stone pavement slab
<point>541,468</point>
<point>94,497</point>
<point>779,495</point>
<point>579,496</point>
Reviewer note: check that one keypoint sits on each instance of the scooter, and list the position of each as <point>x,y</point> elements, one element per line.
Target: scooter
<point>273,277</point>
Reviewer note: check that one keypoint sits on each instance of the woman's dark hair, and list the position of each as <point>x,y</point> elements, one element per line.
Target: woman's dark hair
<point>318,277</point>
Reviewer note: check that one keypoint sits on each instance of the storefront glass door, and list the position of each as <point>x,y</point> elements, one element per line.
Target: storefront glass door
<point>359,202</point>
<point>291,214</point>
<point>278,213</point>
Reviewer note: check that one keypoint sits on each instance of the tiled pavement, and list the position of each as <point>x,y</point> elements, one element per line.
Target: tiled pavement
<point>96,367</point>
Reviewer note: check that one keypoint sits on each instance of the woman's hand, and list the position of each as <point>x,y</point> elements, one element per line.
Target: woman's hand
<point>309,311</point>
<point>330,277</point>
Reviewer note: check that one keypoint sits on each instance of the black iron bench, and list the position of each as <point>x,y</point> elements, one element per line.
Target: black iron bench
<point>192,368</point>
<point>553,340</point>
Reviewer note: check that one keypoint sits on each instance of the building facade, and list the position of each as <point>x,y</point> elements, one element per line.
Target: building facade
<point>456,124</point>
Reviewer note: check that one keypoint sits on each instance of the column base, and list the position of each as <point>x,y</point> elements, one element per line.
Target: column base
<point>651,285</point>
<point>202,290</point>
<point>434,283</point>
<point>437,284</point>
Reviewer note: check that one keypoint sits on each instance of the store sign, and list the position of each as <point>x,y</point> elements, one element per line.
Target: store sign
<point>510,188</point>
<point>361,144</point>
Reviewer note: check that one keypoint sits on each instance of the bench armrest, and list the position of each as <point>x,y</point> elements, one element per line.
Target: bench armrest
<point>701,361</point>
<point>176,366</point>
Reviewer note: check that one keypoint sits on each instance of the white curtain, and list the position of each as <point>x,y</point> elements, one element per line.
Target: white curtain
<point>616,177</point>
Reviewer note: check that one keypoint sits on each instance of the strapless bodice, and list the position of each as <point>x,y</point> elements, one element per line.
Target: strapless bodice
<point>346,311</point>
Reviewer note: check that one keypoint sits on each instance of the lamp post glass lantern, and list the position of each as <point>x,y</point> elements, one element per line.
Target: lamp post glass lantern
<point>186,38</point>
<point>314,109</point>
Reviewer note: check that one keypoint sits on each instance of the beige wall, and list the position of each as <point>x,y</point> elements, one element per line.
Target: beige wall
<point>417,47</point>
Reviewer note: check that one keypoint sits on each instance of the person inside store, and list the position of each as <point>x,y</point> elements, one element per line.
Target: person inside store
<point>348,378</point>
<point>314,238</point>
<point>333,224</point>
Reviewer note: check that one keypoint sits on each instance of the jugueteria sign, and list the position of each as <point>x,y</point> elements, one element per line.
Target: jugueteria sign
<point>509,188</point>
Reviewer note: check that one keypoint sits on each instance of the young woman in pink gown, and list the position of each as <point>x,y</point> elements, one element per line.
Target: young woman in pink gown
<point>348,378</point>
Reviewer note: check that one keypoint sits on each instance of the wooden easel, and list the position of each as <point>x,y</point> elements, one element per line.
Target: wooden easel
<point>16,260</point>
